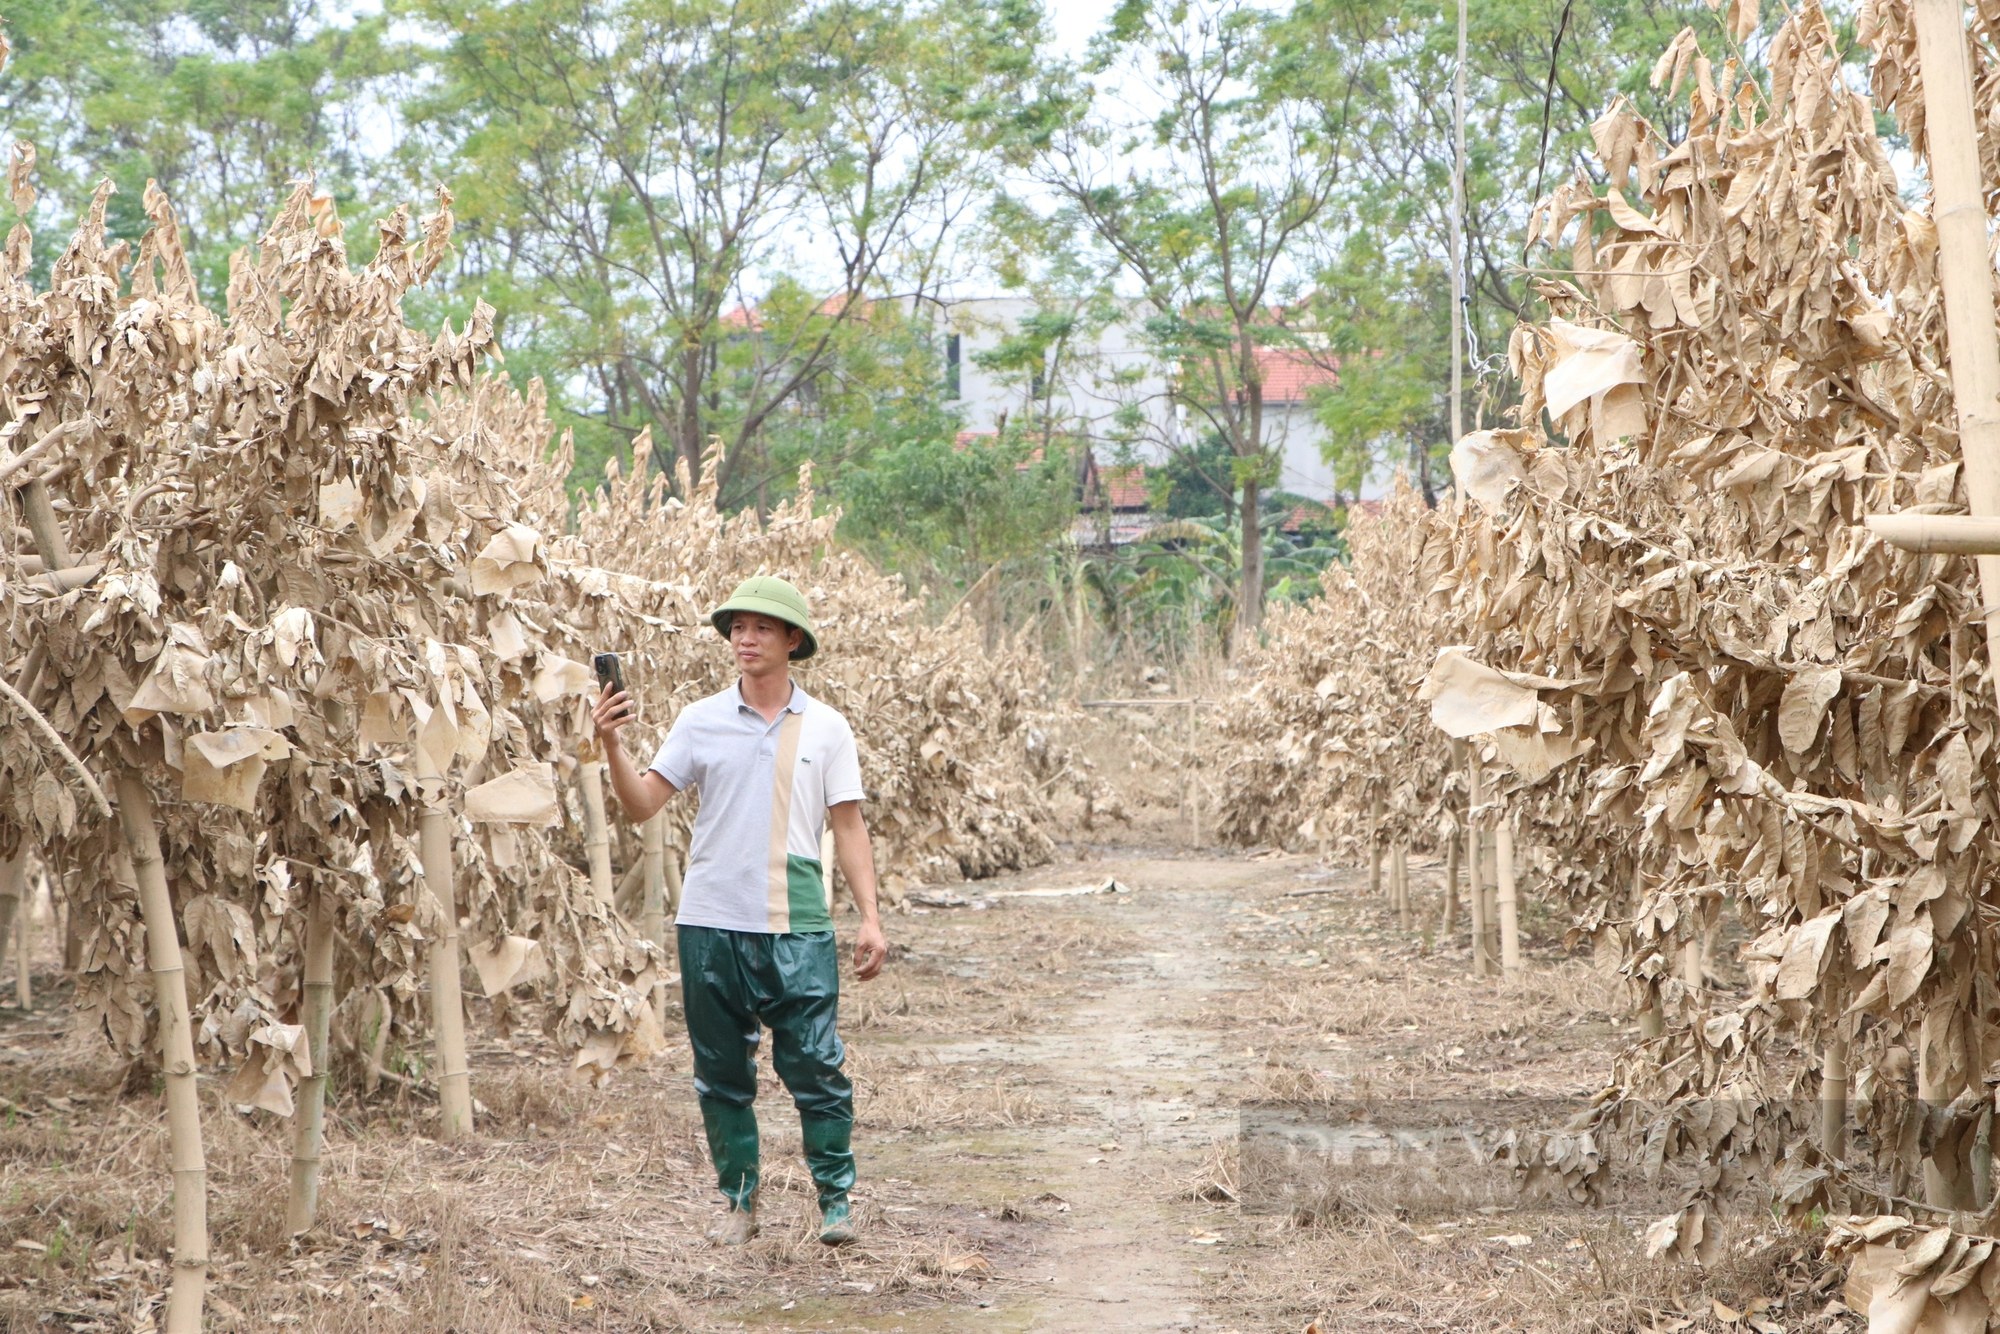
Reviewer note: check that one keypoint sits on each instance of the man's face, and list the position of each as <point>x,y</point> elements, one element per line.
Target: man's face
<point>763,644</point>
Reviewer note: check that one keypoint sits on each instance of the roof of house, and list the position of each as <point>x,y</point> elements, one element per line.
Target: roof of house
<point>1124,488</point>
<point>1306,511</point>
<point>1291,374</point>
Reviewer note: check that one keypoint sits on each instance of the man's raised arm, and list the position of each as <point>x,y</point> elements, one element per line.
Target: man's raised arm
<point>641,794</point>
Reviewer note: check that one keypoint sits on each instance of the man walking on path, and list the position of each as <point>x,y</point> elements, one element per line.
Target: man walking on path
<point>756,941</point>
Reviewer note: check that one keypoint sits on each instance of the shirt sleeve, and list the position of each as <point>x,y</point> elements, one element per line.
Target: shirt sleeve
<point>843,770</point>
<point>676,760</point>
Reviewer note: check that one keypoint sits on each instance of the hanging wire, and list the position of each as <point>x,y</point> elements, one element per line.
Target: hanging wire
<point>1548,105</point>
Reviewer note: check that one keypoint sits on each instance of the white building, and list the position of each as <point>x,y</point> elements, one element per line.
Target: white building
<point>1109,387</point>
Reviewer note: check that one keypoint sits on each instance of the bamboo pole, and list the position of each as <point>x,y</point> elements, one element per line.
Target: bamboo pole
<point>1946,534</point>
<point>596,829</point>
<point>163,951</point>
<point>1691,964</point>
<point>1375,843</point>
<point>1652,1019</point>
<point>1965,271</point>
<point>1510,918</point>
<point>1403,885</point>
<point>381,1017</point>
<point>1448,910</point>
<point>308,1129</point>
<point>1482,963</point>
<point>24,957</point>
<point>13,875</point>
<point>653,921</point>
<point>1193,788</point>
<point>40,513</point>
<point>673,881</point>
<point>1456,235</point>
<point>1833,1082</point>
<point>447,1004</point>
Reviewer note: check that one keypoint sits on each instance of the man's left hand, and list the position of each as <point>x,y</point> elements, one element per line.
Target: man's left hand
<point>871,951</point>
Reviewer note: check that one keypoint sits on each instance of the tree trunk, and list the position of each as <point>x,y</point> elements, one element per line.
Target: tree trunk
<point>596,829</point>
<point>163,951</point>
<point>447,1004</point>
<point>690,423</point>
<point>309,1119</point>
<point>653,842</point>
<point>1250,598</point>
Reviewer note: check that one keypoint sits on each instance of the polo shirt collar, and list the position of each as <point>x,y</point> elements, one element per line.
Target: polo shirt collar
<point>797,704</point>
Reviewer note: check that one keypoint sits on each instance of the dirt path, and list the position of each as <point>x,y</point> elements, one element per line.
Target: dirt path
<point>1049,1134</point>
<point>1146,1087</point>
<point>1117,1087</point>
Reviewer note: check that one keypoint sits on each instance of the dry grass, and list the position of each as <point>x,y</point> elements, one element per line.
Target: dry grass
<point>989,972</point>
<point>1575,1273</point>
<point>576,1207</point>
<point>918,1094</point>
<point>581,1208</point>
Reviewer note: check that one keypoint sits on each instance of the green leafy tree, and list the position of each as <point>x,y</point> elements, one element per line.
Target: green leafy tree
<point>224,104</point>
<point>1204,205</point>
<point>637,169</point>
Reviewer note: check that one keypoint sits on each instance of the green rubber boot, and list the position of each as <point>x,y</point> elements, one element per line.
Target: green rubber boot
<point>732,1146</point>
<point>831,1162</point>
<point>836,1222</point>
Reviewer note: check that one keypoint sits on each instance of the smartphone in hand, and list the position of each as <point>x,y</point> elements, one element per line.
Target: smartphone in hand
<point>611,676</point>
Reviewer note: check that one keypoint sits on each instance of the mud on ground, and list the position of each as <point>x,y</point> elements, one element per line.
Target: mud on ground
<point>1052,1103</point>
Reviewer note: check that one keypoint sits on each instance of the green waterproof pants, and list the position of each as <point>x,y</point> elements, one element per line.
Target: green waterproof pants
<point>731,983</point>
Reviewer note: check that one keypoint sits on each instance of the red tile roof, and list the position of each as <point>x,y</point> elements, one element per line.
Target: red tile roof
<point>1308,511</point>
<point>1124,488</point>
<point>1290,374</point>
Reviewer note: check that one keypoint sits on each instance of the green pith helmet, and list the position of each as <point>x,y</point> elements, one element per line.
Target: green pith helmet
<point>768,595</point>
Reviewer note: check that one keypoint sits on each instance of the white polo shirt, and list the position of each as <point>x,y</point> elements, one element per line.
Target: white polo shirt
<point>765,787</point>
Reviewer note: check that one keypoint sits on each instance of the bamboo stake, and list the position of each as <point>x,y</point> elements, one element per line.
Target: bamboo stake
<point>40,513</point>
<point>24,955</point>
<point>1652,1022</point>
<point>1375,844</point>
<point>1833,1097</point>
<point>1403,885</point>
<point>673,882</point>
<point>309,1121</point>
<point>1949,534</point>
<point>596,829</point>
<point>653,855</point>
<point>1456,235</point>
<point>1482,964</point>
<point>163,951</point>
<point>1193,789</point>
<point>381,1016</point>
<point>1691,965</point>
<point>1965,271</point>
<point>13,874</point>
<point>1448,911</point>
<point>1510,919</point>
<point>447,1004</point>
